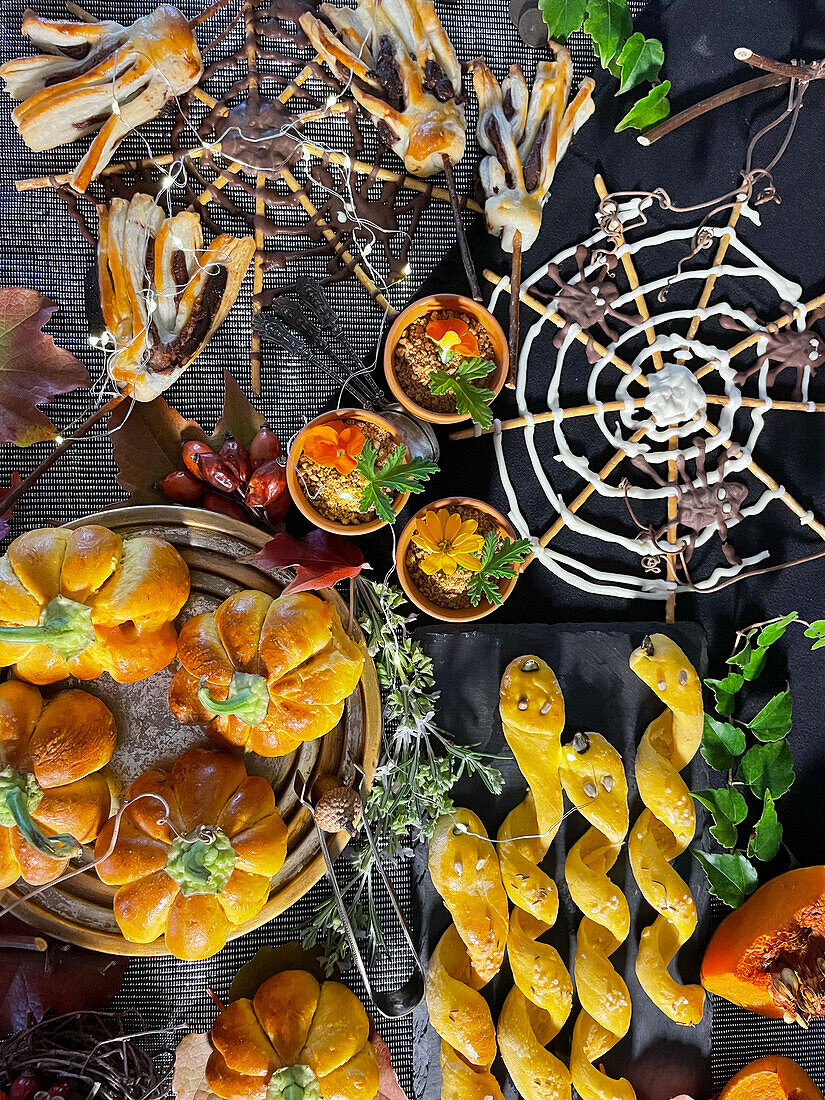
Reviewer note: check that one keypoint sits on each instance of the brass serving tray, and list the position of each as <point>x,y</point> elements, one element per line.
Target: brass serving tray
<point>79,911</point>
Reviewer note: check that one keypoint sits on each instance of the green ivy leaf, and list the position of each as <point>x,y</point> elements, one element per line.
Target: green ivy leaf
<point>724,692</point>
<point>769,768</point>
<point>750,659</point>
<point>721,743</point>
<point>773,722</point>
<point>728,808</point>
<point>817,630</point>
<point>774,631</point>
<point>641,59</point>
<point>766,838</point>
<point>649,110</point>
<point>609,24</point>
<point>731,875</point>
<point>562,16</point>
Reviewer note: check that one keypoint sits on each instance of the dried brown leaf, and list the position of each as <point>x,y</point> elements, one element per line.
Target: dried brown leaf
<point>146,442</point>
<point>239,417</point>
<point>33,370</point>
<point>189,1072</point>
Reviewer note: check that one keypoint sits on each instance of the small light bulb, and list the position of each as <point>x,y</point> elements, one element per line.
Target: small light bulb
<point>167,181</point>
<point>306,155</point>
<point>58,439</point>
<point>406,270</point>
<point>94,341</point>
<point>115,107</point>
<point>331,101</point>
<point>151,306</point>
<point>347,162</point>
<point>365,251</point>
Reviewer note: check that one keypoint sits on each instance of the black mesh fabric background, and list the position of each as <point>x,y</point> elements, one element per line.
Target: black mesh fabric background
<point>41,248</point>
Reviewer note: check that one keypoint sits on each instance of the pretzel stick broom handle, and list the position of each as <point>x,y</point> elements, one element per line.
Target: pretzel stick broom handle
<point>463,246</point>
<point>515,301</point>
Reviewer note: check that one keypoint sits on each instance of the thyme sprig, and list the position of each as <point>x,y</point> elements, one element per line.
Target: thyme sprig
<point>420,764</point>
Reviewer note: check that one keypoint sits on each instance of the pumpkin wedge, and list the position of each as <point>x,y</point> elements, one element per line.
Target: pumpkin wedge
<point>53,797</point>
<point>769,955</point>
<point>772,1078</point>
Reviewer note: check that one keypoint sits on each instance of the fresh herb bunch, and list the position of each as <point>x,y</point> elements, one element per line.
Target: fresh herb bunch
<point>470,400</point>
<point>420,765</point>
<point>498,562</point>
<point>756,759</point>
<point>397,475</point>
<point>631,58</point>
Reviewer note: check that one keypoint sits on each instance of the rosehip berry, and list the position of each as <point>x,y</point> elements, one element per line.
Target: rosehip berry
<point>217,473</point>
<point>215,502</point>
<point>234,454</point>
<point>267,483</point>
<point>62,1090</point>
<point>181,487</point>
<point>264,448</point>
<point>24,1087</point>
<point>277,510</point>
<point>191,451</point>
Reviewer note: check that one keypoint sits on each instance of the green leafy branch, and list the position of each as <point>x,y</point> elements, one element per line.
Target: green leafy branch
<point>397,475</point>
<point>630,57</point>
<point>498,562</point>
<point>756,759</point>
<point>419,766</point>
<point>470,400</point>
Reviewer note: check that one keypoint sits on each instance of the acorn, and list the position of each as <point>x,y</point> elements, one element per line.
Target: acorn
<point>338,806</point>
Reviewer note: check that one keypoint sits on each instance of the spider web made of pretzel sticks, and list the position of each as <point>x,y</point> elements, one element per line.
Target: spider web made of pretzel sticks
<point>627,565</point>
<point>314,200</point>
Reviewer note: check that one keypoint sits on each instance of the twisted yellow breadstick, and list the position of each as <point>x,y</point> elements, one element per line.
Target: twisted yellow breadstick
<point>532,714</point>
<point>465,871</point>
<point>593,778</point>
<point>666,827</point>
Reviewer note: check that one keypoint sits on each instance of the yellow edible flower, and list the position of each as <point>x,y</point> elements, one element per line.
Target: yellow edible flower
<point>451,541</point>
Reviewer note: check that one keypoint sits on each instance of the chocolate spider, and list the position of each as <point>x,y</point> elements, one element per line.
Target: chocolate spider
<point>589,301</point>
<point>700,506</point>
<point>788,348</point>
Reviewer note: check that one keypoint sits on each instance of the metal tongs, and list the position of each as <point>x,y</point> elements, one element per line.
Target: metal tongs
<point>394,1002</point>
<point>307,326</point>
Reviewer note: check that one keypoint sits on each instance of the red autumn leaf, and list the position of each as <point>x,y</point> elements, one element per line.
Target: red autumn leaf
<point>66,979</point>
<point>146,442</point>
<point>388,1085</point>
<point>33,370</point>
<point>5,516</point>
<point>321,559</point>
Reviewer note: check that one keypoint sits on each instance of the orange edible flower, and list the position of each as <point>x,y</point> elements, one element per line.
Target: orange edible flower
<point>453,336</point>
<point>451,542</point>
<point>337,448</point>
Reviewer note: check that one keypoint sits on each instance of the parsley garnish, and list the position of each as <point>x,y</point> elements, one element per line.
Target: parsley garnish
<point>470,400</point>
<point>497,563</point>
<point>397,475</point>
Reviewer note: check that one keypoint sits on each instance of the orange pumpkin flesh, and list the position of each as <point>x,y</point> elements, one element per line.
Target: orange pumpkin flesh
<point>773,1078</point>
<point>769,955</point>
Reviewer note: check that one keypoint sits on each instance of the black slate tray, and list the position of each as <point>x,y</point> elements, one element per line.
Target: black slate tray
<point>660,1058</point>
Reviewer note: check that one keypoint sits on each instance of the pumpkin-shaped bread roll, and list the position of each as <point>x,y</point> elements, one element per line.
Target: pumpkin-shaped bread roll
<point>265,674</point>
<point>83,602</point>
<point>53,797</point>
<point>297,1037</point>
<point>195,872</point>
